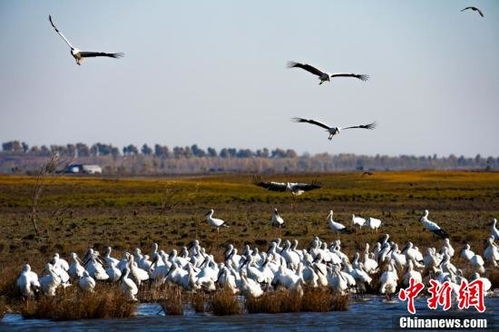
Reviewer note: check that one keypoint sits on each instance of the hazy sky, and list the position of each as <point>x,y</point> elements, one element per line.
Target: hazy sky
<point>214,73</point>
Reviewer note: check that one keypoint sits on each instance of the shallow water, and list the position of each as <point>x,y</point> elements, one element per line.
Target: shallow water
<point>366,312</point>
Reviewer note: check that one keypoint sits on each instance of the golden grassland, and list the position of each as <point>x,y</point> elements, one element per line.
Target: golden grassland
<point>76,213</point>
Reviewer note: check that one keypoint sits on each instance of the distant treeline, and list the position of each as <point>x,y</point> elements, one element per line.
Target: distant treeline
<point>19,157</point>
<point>162,151</point>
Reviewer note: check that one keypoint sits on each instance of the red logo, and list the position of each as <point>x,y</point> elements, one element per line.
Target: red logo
<point>470,295</point>
<point>410,293</point>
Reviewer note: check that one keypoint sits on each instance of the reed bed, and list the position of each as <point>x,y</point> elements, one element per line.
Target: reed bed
<point>3,307</point>
<point>73,304</point>
<point>199,302</point>
<point>225,303</point>
<point>172,304</point>
<point>285,300</point>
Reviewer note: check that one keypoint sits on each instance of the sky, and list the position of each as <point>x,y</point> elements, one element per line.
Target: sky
<point>213,73</point>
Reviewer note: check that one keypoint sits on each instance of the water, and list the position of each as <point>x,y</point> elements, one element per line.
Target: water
<point>367,312</point>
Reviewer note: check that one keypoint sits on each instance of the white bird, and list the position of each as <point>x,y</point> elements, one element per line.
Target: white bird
<point>447,245</point>
<point>474,9</point>
<point>27,282</point>
<point>79,55</point>
<point>50,281</point>
<point>137,273</point>
<point>334,130</point>
<point>76,268</point>
<point>335,226</point>
<point>487,285</point>
<point>373,223</point>
<point>277,220</point>
<point>60,262</point>
<point>108,259</point>
<point>86,282</point>
<point>336,279</point>
<point>495,232</point>
<point>294,187</point>
<point>215,222</point>
<point>358,221</point>
<point>370,264</point>
<point>491,253</point>
<point>95,268</point>
<point>466,252</point>
<point>478,263</point>
<point>249,286</point>
<point>127,285</point>
<point>323,76</point>
<point>388,280</point>
<point>411,274</point>
<point>113,272</point>
<point>431,226</point>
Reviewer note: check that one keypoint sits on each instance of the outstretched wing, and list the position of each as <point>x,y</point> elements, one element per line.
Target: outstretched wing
<point>473,8</point>
<point>60,33</point>
<point>361,77</point>
<point>273,186</point>
<point>305,186</point>
<point>95,54</point>
<point>367,126</point>
<point>317,123</point>
<point>309,68</point>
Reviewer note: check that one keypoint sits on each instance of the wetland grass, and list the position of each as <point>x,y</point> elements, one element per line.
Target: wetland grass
<point>73,304</point>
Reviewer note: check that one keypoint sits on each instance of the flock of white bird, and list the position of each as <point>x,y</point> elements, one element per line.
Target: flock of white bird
<point>253,272</point>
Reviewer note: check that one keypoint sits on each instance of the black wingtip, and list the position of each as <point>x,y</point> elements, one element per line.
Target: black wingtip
<point>291,64</point>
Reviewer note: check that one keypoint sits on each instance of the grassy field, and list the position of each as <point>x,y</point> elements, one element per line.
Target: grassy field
<point>77,213</point>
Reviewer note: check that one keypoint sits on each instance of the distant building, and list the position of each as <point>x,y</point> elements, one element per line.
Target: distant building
<point>83,169</point>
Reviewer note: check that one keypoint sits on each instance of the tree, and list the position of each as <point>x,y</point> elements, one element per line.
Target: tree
<point>161,151</point>
<point>290,153</point>
<point>71,150</point>
<point>178,152</point>
<point>82,150</point>
<point>146,150</point>
<point>44,151</point>
<point>130,150</point>
<point>224,153</point>
<point>197,152</point>
<point>25,147</point>
<point>244,153</point>
<point>35,150</point>
<point>212,152</point>
<point>264,153</point>
<point>12,146</point>
<point>278,153</point>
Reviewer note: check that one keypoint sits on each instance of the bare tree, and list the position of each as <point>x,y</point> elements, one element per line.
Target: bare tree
<point>45,176</point>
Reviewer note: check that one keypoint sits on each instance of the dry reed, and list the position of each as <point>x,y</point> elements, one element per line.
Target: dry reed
<point>284,300</point>
<point>225,303</point>
<point>74,304</point>
<point>172,304</point>
<point>274,302</point>
<point>198,301</point>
